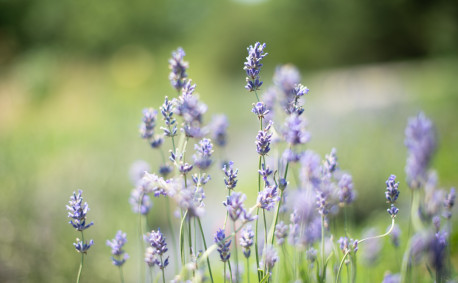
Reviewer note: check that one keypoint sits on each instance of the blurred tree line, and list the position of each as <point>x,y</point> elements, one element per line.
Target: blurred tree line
<point>316,33</point>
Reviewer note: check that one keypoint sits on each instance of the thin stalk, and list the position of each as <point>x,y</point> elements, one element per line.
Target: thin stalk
<point>205,246</point>
<point>322,245</point>
<point>256,226</point>
<point>348,274</point>
<point>340,266</point>
<point>140,232</point>
<point>230,270</point>
<point>182,254</point>
<point>190,238</point>
<point>346,221</point>
<point>162,269</point>
<point>257,97</point>
<point>224,275</point>
<point>265,236</point>
<point>236,256</point>
<point>174,242</point>
<point>121,274</point>
<point>248,269</point>
<point>151,274</point>
<point>82,260</point>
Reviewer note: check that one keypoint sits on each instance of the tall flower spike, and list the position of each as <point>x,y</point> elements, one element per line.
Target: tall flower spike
<point>157,242</point>
<point>167,115</point>
<point>295,130</point>
<point>246,240</point>
<point>78,211</point>
<point>218,127</point>
<point>204,150</point>
<point>346,193</point>
<point>178,68</point>
<point>421,143</point>
<point>234,205</point>
<point>281,232</point>
<point>223,245</point>
<point>263,140</point>
<point>253,66</point>
<point>119,255</point>
<point>231,180</point>
<point>392,194</point>
<point>268,197</point>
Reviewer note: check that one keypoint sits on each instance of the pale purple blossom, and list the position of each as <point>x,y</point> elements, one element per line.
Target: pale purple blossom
<point>246,240</point>
<point>231,174</point>
<point>263,140</point>
<point>223,245</point>
<point>204,150</point>
<point>119,255</point>
<point>253,65</point>
<point>178,68</point>
<point>218,127</point>
<point>295,130</point>
<point>77,211</point>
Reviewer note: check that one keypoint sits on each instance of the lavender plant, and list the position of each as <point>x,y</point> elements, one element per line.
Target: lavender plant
<point>77,211</point>
<point>300,195</point>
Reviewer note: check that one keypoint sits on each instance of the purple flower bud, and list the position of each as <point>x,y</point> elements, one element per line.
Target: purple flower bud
<point>300,90</point>
<point>234,205</point>
<point>263,140</point>
<point>157,240</point>
<point>149,122</point>
<point>119,255</point>
<point>78,211</point>
<point>268,197</point>
<point>421,143</point>
<point>218,127</point>
<point>437,223</point>
<point>392,278</point>
<point>253,65</point>
<point>82,247</point>
<point>260,109</point>
<point>448,203</point>
<point>223,245</point>
<point>178,68</point>
<point>167,115</point>
<point>392,191</point>
<point>281,232</point>
<point>270,257</point>
<point>231,180</point>
<point>246,240</point>
<point>438,251</point>
<point>346,193</point>
<point>141,203</point>
<point>203,154</point>
<point>295,131</point>
<point>393,210</point>
<point>330,163</point>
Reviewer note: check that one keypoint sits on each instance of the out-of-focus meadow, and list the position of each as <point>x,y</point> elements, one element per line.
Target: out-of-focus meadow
<point>75,76</point>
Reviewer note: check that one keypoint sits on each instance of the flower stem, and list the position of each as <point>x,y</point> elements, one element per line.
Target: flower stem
<point>121,274</point>
<point>169,220</point>
<point>236,257</point>
<point>248,269</point>
<point>162,269</point>
<point>205,246</point>
<point>322,247</point>
<point>82,260</point>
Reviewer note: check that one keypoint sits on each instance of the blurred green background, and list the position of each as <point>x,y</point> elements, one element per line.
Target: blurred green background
<point>75,75</point>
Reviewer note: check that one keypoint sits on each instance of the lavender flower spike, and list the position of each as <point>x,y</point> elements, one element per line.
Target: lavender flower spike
<point>421,143</point>
<point>157,242</point>
<point>231,180</point>
<point>270,257</point>
<point>82,247</point>
<point>223,245</point>
<point>346,193</point>
<point>263,140</point>
<point>204,151</point>
<point>448,203</point>
<point>234,205</point>
<point>246,240</point>
<point>218,127</point>
<point>268,197</point>
<point>281,232</point>
<point>253,66</point>
<point>119,255</point>
<point>167,115</point>
<point>295,130</point>
<point>178,68</point>
<point>260,110</point>
<point>78,211</point>
<point>392,194</point>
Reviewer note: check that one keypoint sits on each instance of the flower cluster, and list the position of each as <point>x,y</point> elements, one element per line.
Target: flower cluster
<point>253,66</point>
<point>147,127</point>
<point>246,240</point>
<point>178,68</point>
<point>223,245</point>
<point>78,211</point>
<point>119,255</point>
<point>421,143</point>
<point>167,115</point>
<point>263,140</point>
<point>392,194</point>
<point>231,180</point>
<point>204,150</point>
<point>157,248</point>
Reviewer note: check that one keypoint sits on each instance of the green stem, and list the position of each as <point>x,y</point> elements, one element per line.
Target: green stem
<point>121,274</point>
<point>82,259</point>
<point>142,244</point>
<point>248,269</point>
<point>236,257</point>
<point>174,242</point>
<point>224,275</point>
<point>265,237</point>
<point>190,238</point>
<point>230,271</point>
<point>340,266</point>
<point>182,254</point>
<point>205,246</point>
<point>162,269</point>
<point>322,246</point>
<point>151,275</point>
<point>256,225</point>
